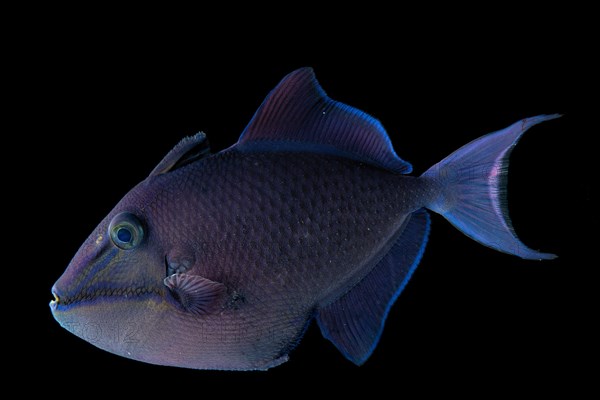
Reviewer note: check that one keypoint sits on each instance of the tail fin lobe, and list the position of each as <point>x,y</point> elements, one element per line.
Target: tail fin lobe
<point>473,189</point>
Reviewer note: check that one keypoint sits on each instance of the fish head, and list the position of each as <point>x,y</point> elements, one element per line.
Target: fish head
<point>133,289</point>
<point>113,290</point>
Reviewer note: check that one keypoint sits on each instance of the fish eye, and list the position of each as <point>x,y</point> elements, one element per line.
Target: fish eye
<point>126,231</point>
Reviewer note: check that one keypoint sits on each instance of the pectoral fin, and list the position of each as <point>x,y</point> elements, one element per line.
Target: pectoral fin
<point>194,293</point>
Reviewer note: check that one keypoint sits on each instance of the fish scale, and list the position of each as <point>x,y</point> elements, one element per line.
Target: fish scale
<point>221,261</point>
<point>308,243</point>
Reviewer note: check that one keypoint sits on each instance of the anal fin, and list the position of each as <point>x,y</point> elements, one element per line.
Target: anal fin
<point>355,321</point>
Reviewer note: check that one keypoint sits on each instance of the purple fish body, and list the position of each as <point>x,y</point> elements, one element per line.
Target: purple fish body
<point>220,261</point>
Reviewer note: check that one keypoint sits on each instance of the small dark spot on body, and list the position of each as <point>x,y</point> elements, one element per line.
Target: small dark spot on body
<point>236,300</point>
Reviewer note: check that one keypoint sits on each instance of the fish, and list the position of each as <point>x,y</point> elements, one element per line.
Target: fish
<point>222,260</point>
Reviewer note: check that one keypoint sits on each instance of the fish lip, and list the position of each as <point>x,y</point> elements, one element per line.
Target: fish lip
<point>54,303</point>
<point>62,302</point>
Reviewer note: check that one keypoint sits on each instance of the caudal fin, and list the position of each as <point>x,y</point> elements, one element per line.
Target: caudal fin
<point>473,189</point>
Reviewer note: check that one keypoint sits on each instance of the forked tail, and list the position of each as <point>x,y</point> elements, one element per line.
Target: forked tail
<point>472,183</point>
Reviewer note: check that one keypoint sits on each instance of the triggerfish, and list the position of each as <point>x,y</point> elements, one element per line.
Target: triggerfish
<point>221,261</point>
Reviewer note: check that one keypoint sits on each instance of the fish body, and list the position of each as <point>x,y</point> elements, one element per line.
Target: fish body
<point>220,261</point>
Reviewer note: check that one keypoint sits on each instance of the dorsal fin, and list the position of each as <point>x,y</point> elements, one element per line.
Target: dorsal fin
<point>298,116</point>
<point>188,150</point>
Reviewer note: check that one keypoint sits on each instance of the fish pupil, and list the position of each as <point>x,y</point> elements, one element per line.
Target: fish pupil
<point>124,235</point>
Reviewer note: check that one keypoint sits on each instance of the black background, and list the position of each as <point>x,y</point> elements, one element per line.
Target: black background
<point>112,98</point>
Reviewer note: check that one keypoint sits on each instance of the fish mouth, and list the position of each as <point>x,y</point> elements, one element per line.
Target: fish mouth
<point>54,303</point>
<point>62,301</point>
